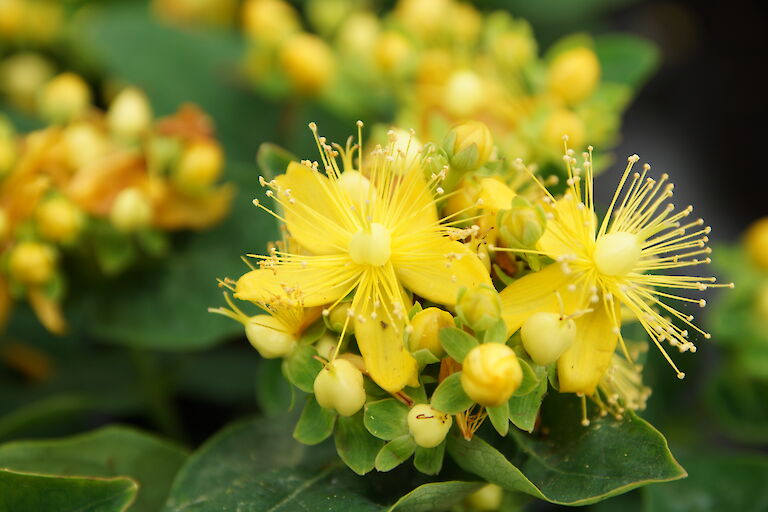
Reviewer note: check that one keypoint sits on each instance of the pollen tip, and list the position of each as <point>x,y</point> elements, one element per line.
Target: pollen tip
<point>707,336</point>
<point>585,422</point>
<point>359,123</point>
<point>633,158</point>
<point>680,375</point>
<point>326,312</point>
<point>313,126</point>
<point>255,202</point>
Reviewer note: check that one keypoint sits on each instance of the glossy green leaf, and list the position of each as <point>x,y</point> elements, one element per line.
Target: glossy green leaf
<point>355,445</point>
<point>107,452</point>
<point>395,453</point>
<point>274,393</point>
<point>425,357</point>
<point>450,397</point>
<point>523,410</point>
<point>386,419</point>
<point>434,497</point>
<point>530,378</point>
<point>572,465</point>
<point>456,342</point>
<point>301,367</point>
<point>499,417</point>
<point>315,424</point>
<point>429,460</point>
<point>626,59</point>
<point>497,333</point>
<point>20,492</point>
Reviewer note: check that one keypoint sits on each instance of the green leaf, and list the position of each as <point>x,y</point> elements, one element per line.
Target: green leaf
<point>301,367</point>
<point>257,465</point>
<point>315,424</point>
<point>530,379</point>
<point>429,460</point>
<point>386,419</point>
<point>424,357</point>
<point>22,491</point>
<point>499,417</point>
<point>395,453</point>
<point>716,482</point>
<point>497,333</point>
<point>273,159</point>
<point>108,452</point>
<point>449,397</point>
<point>355,445</point>
<point>456,342</point>
<point>626,59</point>
<point>435,496</point>
<point>313,333</point>
<point>573,465</point>
<point>523,410</point>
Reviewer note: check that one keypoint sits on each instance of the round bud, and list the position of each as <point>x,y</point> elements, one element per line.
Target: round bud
<point>563,122</point>
<point>514,49</point>
<point>339,316</point>
<point>756,242</point>
<point>486,499</point>
<point>464,93</point>
<point>546,336</point>
<point>59,220</point>
<point>479,308</point>
<point>522,225</point>
<point>426,327</point>
<point>200,166</point>
<point>358,34</point>
<point>428,426</point>
<point>339,386</point>
<point>425,18</point>
<point>464,22</point>
<point>130,114</point>
<point>490,374</point>
<point>469,145</point>
<point>22,76</point>
<point>269,21</point>
<point>308,63</point>
<point>131,210</point>
<point>64,98</point>
<point>84,143</point>
<point>270,336</point>
<point>326,345</point>
<point>32,263</point>
<point>574,74</point>
<point>392,51</point>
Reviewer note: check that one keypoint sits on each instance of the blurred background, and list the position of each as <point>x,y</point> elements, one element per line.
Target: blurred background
<point>140,349</point>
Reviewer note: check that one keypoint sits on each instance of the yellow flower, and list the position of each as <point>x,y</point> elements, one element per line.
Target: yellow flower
<point>369,234</point>
<point>628,259</point>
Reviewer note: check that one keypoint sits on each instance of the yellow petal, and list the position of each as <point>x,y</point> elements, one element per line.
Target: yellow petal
<point>422,269</point>
<point>571,221</point>
<point>413,204</point>
<point>533,293</point>
<point>582,366</point>
<point>316,286</point>
<point>381,341</point>
<point>313,210</point>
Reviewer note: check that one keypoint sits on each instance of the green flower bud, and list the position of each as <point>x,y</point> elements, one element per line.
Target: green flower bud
<point>270,336</point>
<point>546,336</point>
<point>522,225</point>
<point>490,374</point>
<point>339,386</point>
<point>479,308</point>
<point>469,146</point>
<point>428,426</point>
<point>426,327</point>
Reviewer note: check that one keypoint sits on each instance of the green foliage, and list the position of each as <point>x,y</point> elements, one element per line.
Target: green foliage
<point>395,453</point>
<point>499,417</point>
<point>457,343</point>
<point>315,424</point>
<point>523,410</point>
<point>449,397</point>
<point>301,367</point>
<point>355,445</point>
<point>429,460</point>
<point>386,419</point>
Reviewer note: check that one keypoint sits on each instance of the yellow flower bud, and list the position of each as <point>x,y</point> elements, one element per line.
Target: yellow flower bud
<point>22,76</point>
<point>32,263</point>
<point>756,242</point>
<point>426,327</point>
<point>339,386</point>
<point>340,315</point>
<point>563,122</point>
<point>130,114</point>
<point>308,63</point>
<point>480,308</point>
<point>469,145</point>
<point>428,426</point>
<point>327,15</point>
<point>574,74</point>
<point>270,336</point>
<point>131,210</point>
<point>514,49</point>
<point>486,499</point>
<point>59,220</point>
<point>464,93</point>
<point>200,166</point>
<point>269,21</point>
<point>84,143</point>
<point>64,98</point>
<point>358,34</point>
<point>546,336</point>
<point>392,52</point>
<point>490,374</point>
<point>325,346</point>
<point>423,17</point>
<point>522,225</point>
<point>464,22</point>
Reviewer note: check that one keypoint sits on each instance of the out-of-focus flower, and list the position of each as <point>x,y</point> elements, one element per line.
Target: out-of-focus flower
<point>64,98</point>
<point>308,63</point>
<point>756,242</point>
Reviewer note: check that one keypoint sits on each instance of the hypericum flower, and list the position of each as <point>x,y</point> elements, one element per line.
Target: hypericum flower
<point>370,233</point>
<point>625,260</point>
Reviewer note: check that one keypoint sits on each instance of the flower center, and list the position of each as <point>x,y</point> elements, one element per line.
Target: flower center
<point>617,253</point>
<point>371,246</point>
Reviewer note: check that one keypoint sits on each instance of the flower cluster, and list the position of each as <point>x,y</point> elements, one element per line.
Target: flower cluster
<point>438,62</point>
<point>380,297</point>
<point>99,185</point>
